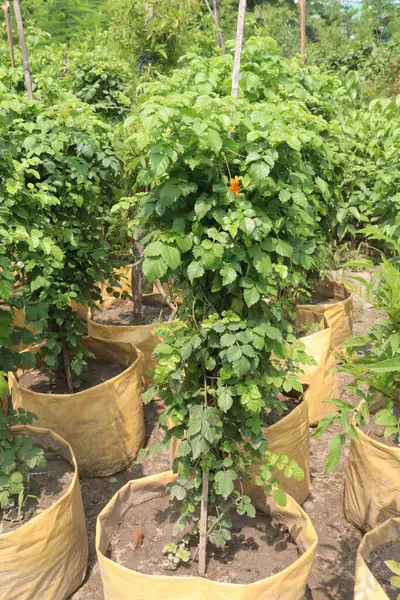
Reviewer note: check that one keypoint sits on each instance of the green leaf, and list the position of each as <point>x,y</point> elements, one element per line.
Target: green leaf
<point>39,282</point>
<point>195,270</point>
<point>335,452</point>
<point>283,249</point>
<point>386,417</point>
<point>233,353</point>
<point>228,275</point>
<point>259,171</point>
<point>224,482</point>
<point>225,399</point>
<point>393,566</point>
<point>215,140</point>
<point>251,296</point>
<point>386,366</point>
<point>280,497</point>
<point>171,257</point>
<point>154,268</point>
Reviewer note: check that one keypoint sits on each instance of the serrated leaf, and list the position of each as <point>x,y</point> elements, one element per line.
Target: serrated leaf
<point>195,270</point>
<point>233,353</point>
<point>225,399</point>
<point>215,140</point>
<point>251,296</point>
<point>154,268</point>
<point>280,497</point>
<point>224,482</point>
<point>335,453</point>
<point>171,257</point>
<point>228,275</point>
<point>283,249</point>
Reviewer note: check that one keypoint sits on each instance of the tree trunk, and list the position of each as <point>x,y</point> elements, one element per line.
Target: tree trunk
<point>302,9</point>
<point>238,48</point>
<point>137,281</point>
<point>67,369</point>
<point>7,16</point>
<point>25,59</point>
<point>203,526</point>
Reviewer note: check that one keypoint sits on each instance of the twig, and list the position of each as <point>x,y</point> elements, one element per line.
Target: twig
<point>214,14</point>
<point>165,296</point>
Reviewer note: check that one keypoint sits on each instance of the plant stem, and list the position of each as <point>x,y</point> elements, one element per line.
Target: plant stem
<point>25,59</point>
<point>67,368</point>
<point>7,16</point>
<point>203,526</point>
<point>162,292</point>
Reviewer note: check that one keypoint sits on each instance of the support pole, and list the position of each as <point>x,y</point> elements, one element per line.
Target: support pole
<point>238,48</point>
<point>25,59</point>
<point>7,17</point>
<point>302,9</point>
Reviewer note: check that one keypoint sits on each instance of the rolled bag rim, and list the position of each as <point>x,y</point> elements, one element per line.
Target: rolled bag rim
<point>361,567</point>
<point>44,431</point>
<point>131,367</point>
<point>325,305</point>
<point>122,417</point>
<point>357,464</point>
<point>307,555</point>
<point>71,526</point>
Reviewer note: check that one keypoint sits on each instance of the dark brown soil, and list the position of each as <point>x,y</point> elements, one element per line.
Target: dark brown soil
<point>376,432</point>
<point>376,563</point>
<point>258,548</point>
<point>315,301</point>
<point>277,415</point>
<point>46,485</point>
<point>45,382</point>
<point>121,313</point>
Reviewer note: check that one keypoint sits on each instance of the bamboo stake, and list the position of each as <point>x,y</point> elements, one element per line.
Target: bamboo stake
<point>67,369</point>
<point>7,16</point>
<point>25,59</point>
<point>238,48</point>
<point>203,525</point>
<point>214,12</point>
<point>302,9</point>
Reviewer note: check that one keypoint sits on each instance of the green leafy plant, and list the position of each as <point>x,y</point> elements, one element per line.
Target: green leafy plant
<point>175,554</point>
<point>236,205</point>
<point>18,455</point>
<point>63,178</point>
<point>376,370</point>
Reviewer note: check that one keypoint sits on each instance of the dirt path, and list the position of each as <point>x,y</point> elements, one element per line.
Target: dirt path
<point>332,576</point>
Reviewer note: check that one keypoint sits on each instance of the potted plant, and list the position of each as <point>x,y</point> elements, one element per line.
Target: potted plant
<point>372,484</point>
<point>71,162</point>
<point>236,234</point>
<point>40,507</point>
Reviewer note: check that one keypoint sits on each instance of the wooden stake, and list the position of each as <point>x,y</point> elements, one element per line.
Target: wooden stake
<point>7,16</point>
<point>137,282</point>
<point>302,9</point>
<point>214,12</point>
<point>238,48</point>
<point>25,59</point>
<point>203,526</point>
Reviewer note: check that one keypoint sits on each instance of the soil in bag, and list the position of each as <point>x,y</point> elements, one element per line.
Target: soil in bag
<point>44,487</point>
<point>376,564</point>
<point>259,547</point>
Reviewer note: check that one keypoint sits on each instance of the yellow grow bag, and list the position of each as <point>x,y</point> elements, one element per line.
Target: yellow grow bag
<point>121,583</point>
<point>339,315</point>
<point>46,558</point>
<point>366,586</point>
<point>104,424</point>
<point>321,377</point>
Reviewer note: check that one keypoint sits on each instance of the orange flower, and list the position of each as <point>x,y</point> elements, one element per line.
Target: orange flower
<point>235,185</point>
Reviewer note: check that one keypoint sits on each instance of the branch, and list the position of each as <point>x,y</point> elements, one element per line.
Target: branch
<point>165,296</point>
